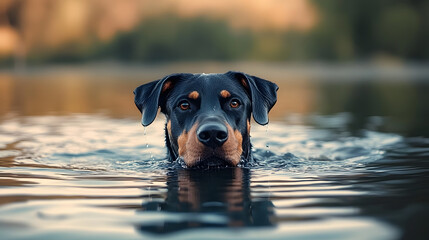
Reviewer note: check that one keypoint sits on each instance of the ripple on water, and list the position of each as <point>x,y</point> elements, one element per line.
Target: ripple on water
<point>85,176</point>
<point>97,142</point>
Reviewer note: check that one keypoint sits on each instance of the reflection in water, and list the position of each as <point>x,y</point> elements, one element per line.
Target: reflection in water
<point>60,178</point>
<point>389,106</point>
<point>224,193</point>
<point>361,105</point>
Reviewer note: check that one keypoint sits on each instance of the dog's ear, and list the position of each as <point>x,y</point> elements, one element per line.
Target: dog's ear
<point>262,92</point>
<point>147,97</point>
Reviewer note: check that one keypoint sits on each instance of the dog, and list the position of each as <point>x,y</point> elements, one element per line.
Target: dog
<point>208,115</point>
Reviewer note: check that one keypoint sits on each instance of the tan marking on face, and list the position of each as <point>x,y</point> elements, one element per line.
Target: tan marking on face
<point>181,141</point>
<point>232,148</point>
<point>239,138</point>
<point>167,85</point>
<point>190,148</point>
<point>194,95</point>
<point>248,127</point>
<point>225,93</point>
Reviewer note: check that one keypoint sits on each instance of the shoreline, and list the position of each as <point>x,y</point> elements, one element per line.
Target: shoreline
<point>269,70</point>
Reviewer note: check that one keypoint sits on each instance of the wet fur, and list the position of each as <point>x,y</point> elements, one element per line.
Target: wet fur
<point>209,96</point>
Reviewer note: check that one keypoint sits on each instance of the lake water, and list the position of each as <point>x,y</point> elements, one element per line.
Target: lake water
<point>344,157</point>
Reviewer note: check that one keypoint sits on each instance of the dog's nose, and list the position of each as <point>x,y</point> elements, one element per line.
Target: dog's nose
<point>212,134</point>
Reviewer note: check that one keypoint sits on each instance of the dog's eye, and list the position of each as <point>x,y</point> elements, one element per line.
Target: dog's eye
<point>235,103</point>
<point>184,105</point>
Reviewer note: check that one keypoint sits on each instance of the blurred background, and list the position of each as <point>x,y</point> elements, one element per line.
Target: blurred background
<point>74,31</point>
<point>368,59</point>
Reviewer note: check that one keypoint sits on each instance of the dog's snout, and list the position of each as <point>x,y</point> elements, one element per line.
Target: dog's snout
<point>212,134</point>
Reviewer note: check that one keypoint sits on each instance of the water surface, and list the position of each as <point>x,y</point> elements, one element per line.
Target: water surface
<point>339,160</point>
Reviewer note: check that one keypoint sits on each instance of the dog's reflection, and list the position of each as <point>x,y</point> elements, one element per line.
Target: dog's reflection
<point>216,192</point>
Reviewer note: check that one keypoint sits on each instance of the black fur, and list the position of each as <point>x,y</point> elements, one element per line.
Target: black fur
<point>257,96</point>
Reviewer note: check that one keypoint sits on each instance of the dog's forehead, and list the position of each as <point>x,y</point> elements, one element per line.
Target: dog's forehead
<point>208,83</point>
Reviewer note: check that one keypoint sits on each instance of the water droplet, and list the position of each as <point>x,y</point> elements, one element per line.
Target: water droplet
<point>266,133</point>
<point>147,142</point>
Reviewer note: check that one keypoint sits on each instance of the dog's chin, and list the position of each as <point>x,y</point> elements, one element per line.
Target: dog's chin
<point>213,162</point>
<point>210,158</point>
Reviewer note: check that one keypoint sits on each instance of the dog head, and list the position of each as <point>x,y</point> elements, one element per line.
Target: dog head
<point>208,115</point>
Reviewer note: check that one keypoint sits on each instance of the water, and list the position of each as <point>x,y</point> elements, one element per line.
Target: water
<point>82,167</point>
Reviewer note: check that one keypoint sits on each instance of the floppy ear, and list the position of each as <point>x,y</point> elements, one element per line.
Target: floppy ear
<point>262,92</point>
<point>147,96</point>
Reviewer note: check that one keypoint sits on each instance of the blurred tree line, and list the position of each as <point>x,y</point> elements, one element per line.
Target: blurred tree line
<point>346,31</point>
<point>364,28</point>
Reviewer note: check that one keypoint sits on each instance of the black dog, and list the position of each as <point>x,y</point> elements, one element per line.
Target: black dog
<point>208,115</point>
